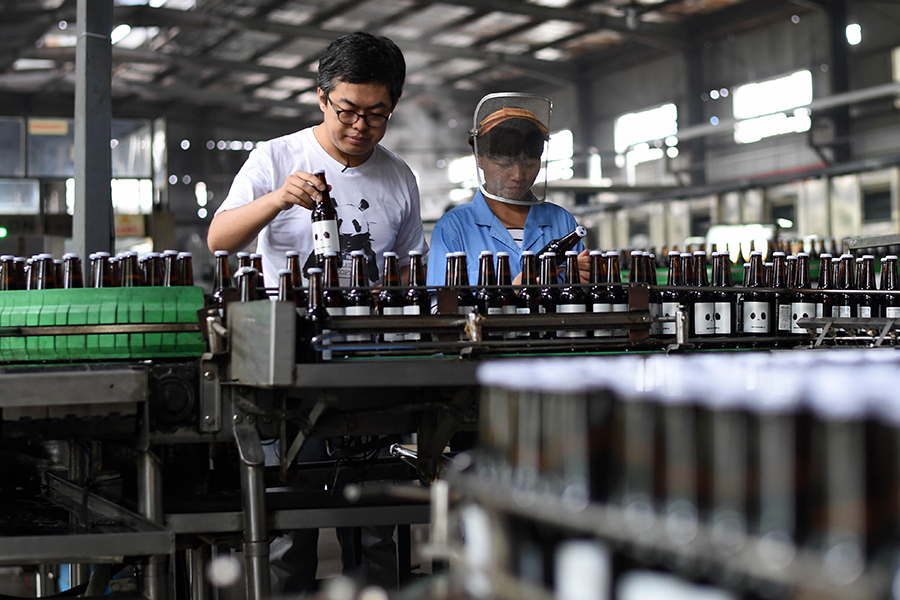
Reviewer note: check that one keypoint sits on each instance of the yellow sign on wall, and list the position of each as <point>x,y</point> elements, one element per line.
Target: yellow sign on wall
<point>130,225</point>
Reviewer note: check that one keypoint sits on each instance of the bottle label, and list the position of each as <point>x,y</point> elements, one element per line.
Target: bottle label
<point>542,309</point>
<point>523,311</point>
<point>412,310</point>
<point>336,311</point>
<point>704,318</point>
<point>820,309</point>
<point>571,308</point>
<point>864,312</point>
<point>668,310</point>
<point>892,312</point>
<point>756,317</point>
<point>802,310</point>
<point>358,311</point>
<point>602,307</point>
<point>393,310</point>
<point>723,318</point>
<point>840,311</point>
<point>495,310</point>
<point>325,237</point>
<point>784,317</point>
<point>464,309</point>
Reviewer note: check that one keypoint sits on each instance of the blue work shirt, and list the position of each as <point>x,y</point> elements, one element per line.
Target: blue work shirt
<point>473,228</point>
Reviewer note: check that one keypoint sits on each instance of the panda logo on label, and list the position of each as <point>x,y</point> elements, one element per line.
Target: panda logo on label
<point>756,317</point>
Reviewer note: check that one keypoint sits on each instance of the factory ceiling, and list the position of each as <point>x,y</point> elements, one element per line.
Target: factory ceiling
<point>240,60</point>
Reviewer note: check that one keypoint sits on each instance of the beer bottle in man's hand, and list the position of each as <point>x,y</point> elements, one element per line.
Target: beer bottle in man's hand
<point>563,244</point>
<point>324,224</point>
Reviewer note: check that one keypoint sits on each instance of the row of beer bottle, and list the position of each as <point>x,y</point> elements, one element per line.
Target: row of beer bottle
<point>42,271</point>
<point>788,448</point>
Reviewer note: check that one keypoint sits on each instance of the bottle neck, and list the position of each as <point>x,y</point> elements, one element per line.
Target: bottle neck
<point>528,271</point>
<point>315,299</point>
<point>358,277</point>
<point>391,272</point>
<point>416,272</point>
<point>486,271</point>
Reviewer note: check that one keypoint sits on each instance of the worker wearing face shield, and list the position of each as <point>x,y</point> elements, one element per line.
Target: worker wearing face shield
<point>508,213</point>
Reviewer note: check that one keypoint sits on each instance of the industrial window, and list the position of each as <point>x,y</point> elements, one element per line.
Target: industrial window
<point>559,157</point>
<point>700,223</point>
<point>772,107</point>
<point>784,214</point>
<point>639,232</point>
<point>876,205</point>
<point>634,130</point>
<point>895,69</point>
<point>12,147</point>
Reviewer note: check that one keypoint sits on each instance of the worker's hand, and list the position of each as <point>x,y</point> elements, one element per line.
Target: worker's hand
<point>584,266</point>
<point>302,189</point>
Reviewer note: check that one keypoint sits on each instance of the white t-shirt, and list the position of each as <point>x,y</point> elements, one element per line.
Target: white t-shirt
<point>377,204</point>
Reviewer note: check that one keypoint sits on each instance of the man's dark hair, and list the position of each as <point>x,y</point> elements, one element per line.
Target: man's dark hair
<point>363,58</point>
<point>511,139</point>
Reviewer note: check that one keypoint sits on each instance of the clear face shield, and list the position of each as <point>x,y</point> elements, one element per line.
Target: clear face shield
<point>510,135</point>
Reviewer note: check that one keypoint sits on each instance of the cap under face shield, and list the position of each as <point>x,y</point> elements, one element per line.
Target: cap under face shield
<point>510,135</point>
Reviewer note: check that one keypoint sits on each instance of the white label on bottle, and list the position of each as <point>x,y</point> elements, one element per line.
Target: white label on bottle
<point>393,310</point>
<point>864,312</point>
<point>757,316</point>
<point>840,311</point>
<point>784,317</point>
<point>723,318</point>
<point>668,310</point>
<point>464,309</point>
<point>542,309</point>
<point>704,318</point>
<point>325,237</point>
<point>571,308</point>
<point>412,310</point>
<point>620,308</point>
<point>801,310</point>
<point>495,310</point>
<point>602,307</point>
<point>358,311</point>
<point>892,312</point>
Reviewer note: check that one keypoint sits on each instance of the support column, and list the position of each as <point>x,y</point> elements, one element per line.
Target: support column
<point>253,495</point>
<point>92,225</point>
<point>154,580</point>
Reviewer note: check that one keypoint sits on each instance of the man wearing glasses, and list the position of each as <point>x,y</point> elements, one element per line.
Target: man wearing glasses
<point>360,80</point>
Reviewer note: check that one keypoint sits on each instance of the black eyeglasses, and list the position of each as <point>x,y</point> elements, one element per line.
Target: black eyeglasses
<point>348,117</point>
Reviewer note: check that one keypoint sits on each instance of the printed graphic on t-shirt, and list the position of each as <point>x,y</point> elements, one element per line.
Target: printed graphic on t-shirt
<point>353,230</point>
